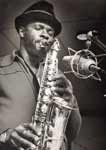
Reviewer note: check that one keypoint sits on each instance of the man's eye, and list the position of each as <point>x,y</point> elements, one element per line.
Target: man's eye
<point>38,27</point>
<point>51,33</point>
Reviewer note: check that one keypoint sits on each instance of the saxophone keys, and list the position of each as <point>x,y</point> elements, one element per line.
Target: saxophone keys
<point>44,108</point>
<point>48,91</point>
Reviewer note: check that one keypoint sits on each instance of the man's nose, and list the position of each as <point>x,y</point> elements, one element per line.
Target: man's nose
<point>44,34</point>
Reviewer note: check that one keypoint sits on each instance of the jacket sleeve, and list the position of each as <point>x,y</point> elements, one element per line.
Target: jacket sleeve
<point>7,146</point>
<point>4,142</point>
<point>74,124</point>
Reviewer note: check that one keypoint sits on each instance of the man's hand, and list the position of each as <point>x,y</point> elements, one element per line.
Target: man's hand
<point>24,137</point>
<point>62,87</point>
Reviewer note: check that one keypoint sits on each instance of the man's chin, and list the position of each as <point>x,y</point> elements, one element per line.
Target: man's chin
<point>42,56</point>
<point>43,51</point>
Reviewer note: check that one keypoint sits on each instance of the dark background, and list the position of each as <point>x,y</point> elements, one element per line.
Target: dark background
<point>76,16</point>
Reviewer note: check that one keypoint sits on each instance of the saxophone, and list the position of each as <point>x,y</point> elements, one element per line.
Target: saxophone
<point>51,114</point>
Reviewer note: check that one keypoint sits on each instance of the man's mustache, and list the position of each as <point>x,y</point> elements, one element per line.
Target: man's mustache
<point>46,43</point>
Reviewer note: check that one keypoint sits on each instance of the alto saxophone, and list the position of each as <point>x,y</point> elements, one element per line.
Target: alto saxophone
<point>51,114</point>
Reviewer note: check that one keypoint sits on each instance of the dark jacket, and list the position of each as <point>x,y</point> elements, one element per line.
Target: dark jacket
<point>18,95</point>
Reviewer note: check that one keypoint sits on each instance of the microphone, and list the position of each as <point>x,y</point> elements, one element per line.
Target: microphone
<point>84,66</point>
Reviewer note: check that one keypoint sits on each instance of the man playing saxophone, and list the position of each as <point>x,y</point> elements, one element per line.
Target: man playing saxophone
<point>20,78</point>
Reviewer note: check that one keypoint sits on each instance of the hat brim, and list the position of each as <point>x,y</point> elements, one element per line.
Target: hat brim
<point>24,19</point>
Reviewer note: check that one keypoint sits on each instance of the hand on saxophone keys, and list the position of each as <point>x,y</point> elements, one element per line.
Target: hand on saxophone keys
<point>24,137</point>
<point>61,87</point>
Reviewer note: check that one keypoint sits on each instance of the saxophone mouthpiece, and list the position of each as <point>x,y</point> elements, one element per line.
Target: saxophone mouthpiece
<point>56,45</point>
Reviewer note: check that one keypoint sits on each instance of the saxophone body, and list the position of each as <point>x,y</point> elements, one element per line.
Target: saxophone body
<point>51,114</point>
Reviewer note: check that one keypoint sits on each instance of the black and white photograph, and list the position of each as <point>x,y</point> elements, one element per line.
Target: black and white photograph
<point>52,75</point>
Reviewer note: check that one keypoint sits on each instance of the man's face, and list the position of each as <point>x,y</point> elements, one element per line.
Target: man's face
<point>38,38</point>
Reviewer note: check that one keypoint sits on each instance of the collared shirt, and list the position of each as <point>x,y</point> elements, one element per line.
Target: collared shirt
<point>37,71</point>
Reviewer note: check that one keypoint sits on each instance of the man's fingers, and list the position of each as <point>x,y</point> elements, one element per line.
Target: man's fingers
<point>57,83</point>
<point>21,142</point>
<point>33,129</point>
<point>20,148</point>
<point>28,135</point>
<point>61,91</point>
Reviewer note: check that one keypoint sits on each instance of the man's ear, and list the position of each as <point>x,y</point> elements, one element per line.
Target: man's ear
<point>22,31</point>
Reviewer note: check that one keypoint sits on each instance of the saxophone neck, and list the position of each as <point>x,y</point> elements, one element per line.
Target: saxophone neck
<point>56,45</point>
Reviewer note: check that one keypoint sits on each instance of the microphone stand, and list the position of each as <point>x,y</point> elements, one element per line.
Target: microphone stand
<point>101,45</point>
<point>93,37</point>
